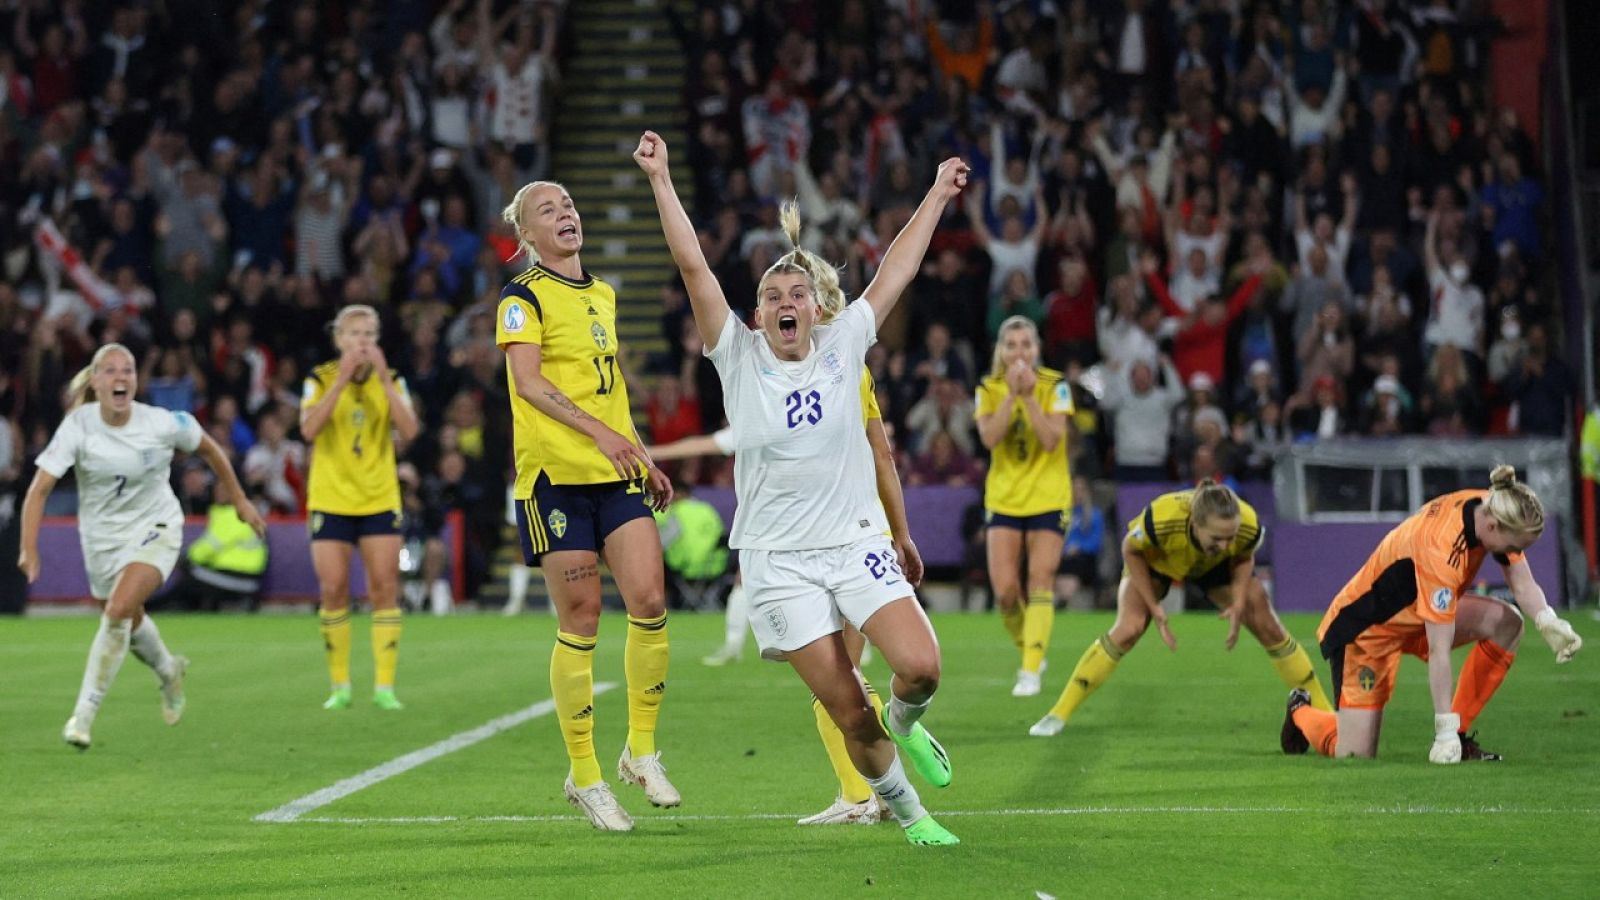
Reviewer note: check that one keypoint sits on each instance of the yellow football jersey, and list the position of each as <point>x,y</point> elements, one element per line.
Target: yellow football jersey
<point>1161,535</point>
<point>352,459</point>
<point>575,325</point>
<point>869,397</point>
<point>1025,479</point>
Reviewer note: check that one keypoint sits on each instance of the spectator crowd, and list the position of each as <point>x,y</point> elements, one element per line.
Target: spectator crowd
<point>1237,223</point>
<point>208,182</point>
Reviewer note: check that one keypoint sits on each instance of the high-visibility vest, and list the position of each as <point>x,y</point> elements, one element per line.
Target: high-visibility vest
<point>691,539</point>
<point>1589,445</point>
<point>228,544</point>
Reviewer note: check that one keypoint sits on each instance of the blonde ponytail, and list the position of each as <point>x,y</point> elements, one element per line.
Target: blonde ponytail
<point>81,388</point>
<point>823,276</point>
<point>1514,505</point>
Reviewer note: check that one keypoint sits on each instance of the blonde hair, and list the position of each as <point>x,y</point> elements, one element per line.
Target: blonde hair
<point>350,312</point>
<point>1213,500</point>
<point>512,215</point>
<point>1514,505</point>
<point>82,385</point>
<point>997,366</point>
<point>823,276</point>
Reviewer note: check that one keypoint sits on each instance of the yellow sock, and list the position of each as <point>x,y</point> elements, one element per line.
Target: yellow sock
<point>852,787</point>
<point>645,662</point>
<point>1094,667</point>
<point>1038,618</point>
<point>335,624</point>
<point>1012,619</point>
<point>1294,667</point>
<point>385,646</point>
<point>572,688</point>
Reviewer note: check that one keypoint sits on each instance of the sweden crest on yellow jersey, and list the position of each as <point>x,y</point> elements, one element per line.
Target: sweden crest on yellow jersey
<point>598,332</point>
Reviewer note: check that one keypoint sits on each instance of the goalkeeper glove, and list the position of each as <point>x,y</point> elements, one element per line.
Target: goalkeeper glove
<point>1446,749</point>
<point>1558,633</point>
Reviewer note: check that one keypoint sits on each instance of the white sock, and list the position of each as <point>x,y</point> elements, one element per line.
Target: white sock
<point>898,794</point>
<point>110,647</point>
<point>738,618</point>
<point>441,600</point>
<point>146,644</point>
<point>519,589</point>
<point>903,715</point>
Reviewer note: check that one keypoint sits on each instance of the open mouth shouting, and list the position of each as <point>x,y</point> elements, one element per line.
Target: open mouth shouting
<point>119,392</point>
<point>569,231</point>
<point>788,326</point>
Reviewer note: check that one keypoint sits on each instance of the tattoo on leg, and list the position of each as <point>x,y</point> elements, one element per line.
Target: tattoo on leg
<point>592,570</point>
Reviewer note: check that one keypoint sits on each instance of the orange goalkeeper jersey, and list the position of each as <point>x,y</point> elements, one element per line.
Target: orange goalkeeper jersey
<point>1416,575</point>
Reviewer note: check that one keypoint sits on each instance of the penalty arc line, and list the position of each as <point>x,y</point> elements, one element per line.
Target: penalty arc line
<point>295,809</point>
<point>1047,811</point>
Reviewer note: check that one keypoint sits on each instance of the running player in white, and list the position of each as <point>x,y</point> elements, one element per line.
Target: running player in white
<point>809,531</point>
<point>129,522</point>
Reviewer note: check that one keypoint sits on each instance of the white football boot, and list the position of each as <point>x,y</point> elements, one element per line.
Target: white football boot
<point>76,733</point>
<point>1027,684</point>
<point>649,773</point>
<point>870,811</point>
<point>172,699</point>
<point>599,804</point>
<point>1049,726</point>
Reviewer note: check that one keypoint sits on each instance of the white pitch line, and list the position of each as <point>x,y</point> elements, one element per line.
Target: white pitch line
<point>295,809</point>
<point>1047,811</point>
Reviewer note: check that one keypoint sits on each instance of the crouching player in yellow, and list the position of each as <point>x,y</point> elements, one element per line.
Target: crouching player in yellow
<point>1206,537</point>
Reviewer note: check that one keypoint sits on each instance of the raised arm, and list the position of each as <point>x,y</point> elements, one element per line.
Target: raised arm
<point>904,258</point>
<point>975,215</point>
<point>1430,244</point>
<point>705,294</point>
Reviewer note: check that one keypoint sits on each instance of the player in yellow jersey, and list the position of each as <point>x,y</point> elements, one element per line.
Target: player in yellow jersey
<point>1205,537</point>
<point>350,410</point>
<point>855,803</point>
<point>584,490</point>
<point>1022,411</point>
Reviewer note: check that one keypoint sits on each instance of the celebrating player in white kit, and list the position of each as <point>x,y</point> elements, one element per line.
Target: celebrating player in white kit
<point>129,521</point>
<point>808,527</point>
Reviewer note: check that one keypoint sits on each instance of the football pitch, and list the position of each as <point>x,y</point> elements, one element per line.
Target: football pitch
<point>1169,781</point>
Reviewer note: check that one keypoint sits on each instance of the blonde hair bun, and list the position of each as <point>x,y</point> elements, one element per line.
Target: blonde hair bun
<point>1502,477</point>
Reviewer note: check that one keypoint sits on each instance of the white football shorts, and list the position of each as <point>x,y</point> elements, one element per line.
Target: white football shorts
<point>154,544</point>
<point>798,596</point>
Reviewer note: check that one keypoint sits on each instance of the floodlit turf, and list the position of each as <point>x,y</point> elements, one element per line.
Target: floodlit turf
<point>1168,783</point>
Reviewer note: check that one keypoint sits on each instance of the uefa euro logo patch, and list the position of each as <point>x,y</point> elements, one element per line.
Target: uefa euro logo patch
<point>1441,599</point>
<point>515,318</point>
<point>558,522</point>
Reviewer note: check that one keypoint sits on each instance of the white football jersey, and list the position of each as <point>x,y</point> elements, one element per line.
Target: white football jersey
<point>123,472</point>
<point>802,470</point>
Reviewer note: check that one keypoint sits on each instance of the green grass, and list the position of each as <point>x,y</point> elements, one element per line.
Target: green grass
<point>1171,775</point>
